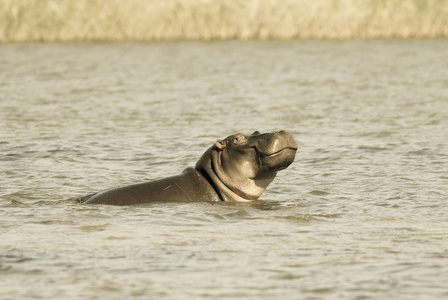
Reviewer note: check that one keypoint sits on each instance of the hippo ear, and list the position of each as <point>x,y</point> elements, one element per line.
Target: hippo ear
<point>221,144</point>
<point>256,132</point>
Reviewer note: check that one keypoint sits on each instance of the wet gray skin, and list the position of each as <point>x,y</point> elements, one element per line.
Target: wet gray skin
<point>237,168</point>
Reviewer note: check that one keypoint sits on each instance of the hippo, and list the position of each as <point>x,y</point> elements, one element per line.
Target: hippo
<point>235,169</point>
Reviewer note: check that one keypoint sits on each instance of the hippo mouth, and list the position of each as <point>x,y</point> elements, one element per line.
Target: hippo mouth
<point>281,151</point>
<point>280,159</point>
<point>276,143</point>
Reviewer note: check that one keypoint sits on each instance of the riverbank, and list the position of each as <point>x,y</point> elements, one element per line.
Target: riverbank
<point>157,20</point>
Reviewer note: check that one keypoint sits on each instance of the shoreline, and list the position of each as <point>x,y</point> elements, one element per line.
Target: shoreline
<point>218,20</point>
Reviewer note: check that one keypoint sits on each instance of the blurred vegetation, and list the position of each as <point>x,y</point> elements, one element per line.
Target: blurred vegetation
<point>154,20</point>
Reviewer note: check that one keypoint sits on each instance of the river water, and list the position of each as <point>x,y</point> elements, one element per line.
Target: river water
<point>361,214</point>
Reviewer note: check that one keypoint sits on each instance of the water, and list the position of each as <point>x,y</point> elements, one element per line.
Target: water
<point>360,214</point>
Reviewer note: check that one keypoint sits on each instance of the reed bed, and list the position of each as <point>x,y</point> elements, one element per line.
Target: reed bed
<point>156,20</point>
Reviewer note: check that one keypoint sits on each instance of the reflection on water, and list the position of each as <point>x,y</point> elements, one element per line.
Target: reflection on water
<point>359,214</point>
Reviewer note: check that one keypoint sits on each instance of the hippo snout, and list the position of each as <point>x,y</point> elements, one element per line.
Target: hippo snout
<point>275,142</point>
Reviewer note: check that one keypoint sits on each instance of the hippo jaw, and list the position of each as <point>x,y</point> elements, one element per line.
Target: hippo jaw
<point>279,160</point>
<point>277,150</point>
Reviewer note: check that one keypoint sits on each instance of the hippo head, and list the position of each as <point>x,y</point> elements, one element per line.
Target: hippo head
<point>240,167</point>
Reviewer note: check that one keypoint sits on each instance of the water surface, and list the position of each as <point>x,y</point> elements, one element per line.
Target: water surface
<point>360,214</point>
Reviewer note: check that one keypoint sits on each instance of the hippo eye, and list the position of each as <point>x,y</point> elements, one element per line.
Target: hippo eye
<point>239,139</point>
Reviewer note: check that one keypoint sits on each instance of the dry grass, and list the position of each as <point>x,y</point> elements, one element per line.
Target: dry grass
<point>154,20</point>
